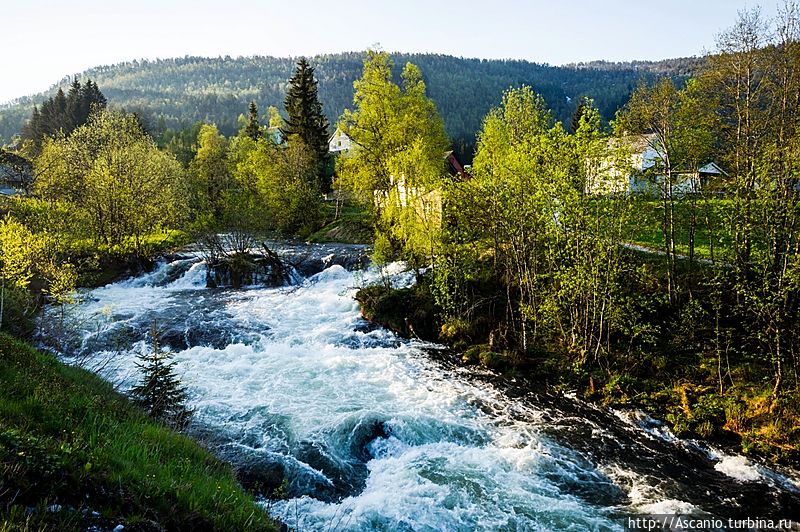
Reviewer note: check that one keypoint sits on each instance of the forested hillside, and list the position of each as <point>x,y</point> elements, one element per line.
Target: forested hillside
<point>177,92</point>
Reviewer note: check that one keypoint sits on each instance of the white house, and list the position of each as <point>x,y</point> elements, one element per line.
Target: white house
<point>14,180</point>
<point>339,142</point>
<point>632,168</point>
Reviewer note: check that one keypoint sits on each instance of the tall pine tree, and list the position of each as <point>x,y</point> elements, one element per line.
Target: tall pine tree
<point>253,128</point>
<point>304,111</point>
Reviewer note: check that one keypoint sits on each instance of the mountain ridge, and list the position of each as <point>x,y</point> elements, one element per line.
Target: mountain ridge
<point>175,92</point>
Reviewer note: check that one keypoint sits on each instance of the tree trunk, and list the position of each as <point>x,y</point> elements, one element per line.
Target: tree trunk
<point>2,300</point>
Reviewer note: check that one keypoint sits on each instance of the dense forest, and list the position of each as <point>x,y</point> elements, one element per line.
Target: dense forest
<point>174,93</point>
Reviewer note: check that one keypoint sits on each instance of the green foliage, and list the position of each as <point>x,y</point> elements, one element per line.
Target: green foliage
<point>61,115</point>
<point>181,142</point>
<point>67,438</point>
<point>210,172</point>
<point>253,128</point>
<point>283,183</point>
<point>160,392</point>
<point>17,253</point>
<point>187,90</point>
<point>553,249</point>
<point>397,163</point>
<point>408,311</point>
<point>115,176</point>
<point>305,118</point>
<point>26,256</point>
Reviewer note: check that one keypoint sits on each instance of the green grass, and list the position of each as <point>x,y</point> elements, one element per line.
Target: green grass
<point>353,226</point>
<point>154,242</point>
<point>645,226</point>
<point>99,265</point>
<point>67,438</point>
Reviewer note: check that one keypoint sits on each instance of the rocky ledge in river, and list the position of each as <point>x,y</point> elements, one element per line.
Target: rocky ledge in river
<point>279,263</point>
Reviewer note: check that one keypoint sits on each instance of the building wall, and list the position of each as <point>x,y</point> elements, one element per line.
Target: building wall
<point>339,142</point>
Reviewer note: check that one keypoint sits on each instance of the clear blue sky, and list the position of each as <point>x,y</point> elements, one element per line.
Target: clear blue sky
<point>43,40</point>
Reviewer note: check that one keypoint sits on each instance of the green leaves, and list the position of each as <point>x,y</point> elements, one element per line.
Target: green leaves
<point>17,253</point>
<point>526,218</point>
<point>397,163</point>
<point>111,171</point>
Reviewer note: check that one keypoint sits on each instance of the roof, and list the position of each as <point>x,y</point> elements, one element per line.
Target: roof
<point>15,168</point>
<point>10,174</point>
<point>712,168</point>
<point>454,166</point>
<point>338,131</point>
<point>636,143</point>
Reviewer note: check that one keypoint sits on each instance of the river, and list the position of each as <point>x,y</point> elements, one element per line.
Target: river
<point>375,432</point>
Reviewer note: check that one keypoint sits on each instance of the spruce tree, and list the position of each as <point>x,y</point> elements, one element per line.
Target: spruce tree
<point>160,393</point>
<point>253,128</point>
<point>91,100</point>
<point>74,115</point>
<point>62,114</point>
<point>584,104</point>
<point>304,111</point>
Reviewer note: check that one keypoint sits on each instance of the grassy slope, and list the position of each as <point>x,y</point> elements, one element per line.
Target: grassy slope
<point>67,438</point>
<point>352,226</point>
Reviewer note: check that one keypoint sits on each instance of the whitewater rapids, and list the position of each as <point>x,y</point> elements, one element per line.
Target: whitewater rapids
<point>373,433</point>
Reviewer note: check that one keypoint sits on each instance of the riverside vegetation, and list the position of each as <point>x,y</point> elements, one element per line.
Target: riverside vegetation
<point>524,265</point>
<point>529,266</point>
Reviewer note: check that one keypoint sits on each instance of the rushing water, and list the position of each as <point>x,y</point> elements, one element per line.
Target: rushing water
<point>376,432</point>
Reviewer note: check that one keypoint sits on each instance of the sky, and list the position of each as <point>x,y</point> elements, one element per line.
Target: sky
<point>41,41</point>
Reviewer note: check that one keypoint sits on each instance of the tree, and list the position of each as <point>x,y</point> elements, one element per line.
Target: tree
<point>525,226</point>
<point>736,74</point>
<point>17,250</point>
<point>753,83</point>
<point>282,180</point>
<point>160,393</point>
<point>253,128</point>
<point>32,258</point>
<point>275,118</point>
<point>397,162</point>
<point>182,143</point>
<point>62,114</point>
<point>111,171</point>
<point>210,172</point>
<point>670,120</point>
<point>304,112</point>
<point>75,114</point>
<point>584,104</point>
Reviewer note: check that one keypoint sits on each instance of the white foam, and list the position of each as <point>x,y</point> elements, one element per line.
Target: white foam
<point>456,457</point>
<point>738,467</point>
<point>669,507</point>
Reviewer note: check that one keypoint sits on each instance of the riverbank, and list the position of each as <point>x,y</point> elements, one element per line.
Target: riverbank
<point>75,454</point>
<point>676,382</point>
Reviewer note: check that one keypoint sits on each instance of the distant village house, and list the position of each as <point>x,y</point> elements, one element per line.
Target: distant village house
<point>16,174</point>
<point>632,168</point>
<point>339,142</point>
